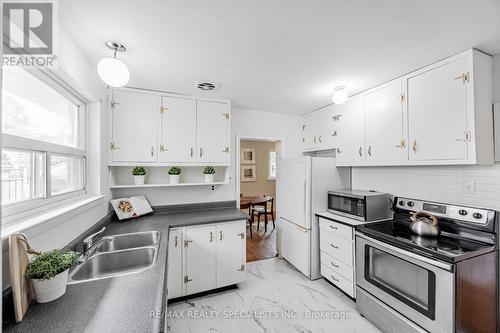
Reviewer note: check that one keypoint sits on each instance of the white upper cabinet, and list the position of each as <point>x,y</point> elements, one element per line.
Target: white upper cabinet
<point>350,117</point>
<point>384,122</point>
<point>148,128</point>
<point>318,130</point>
<point>178,130</point>
<point>213,132</point>
<point>440,114</point>
<point>133,127</point>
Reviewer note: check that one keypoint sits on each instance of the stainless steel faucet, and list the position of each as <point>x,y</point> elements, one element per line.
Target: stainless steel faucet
<point>89,241</point>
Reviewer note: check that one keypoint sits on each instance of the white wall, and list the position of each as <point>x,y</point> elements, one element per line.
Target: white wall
<point>245,123</point>
<point>75,69</point>
<point>440,183</point>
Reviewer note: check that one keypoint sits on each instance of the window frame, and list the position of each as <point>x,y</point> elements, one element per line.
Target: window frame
<point>14,142</point>
<point>269,176</point>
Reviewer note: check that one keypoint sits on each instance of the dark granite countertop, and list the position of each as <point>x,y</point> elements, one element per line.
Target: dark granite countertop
<point>127,303</point>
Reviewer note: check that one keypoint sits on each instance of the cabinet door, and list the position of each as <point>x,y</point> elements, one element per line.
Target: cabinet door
<point>134,129</point>
<point>213,132</point>
<point>174,266</point>
<point>351,131</point>
<point>328,130</point>
<point>200,259</point>
<point>384,119</point>
<point>178,130</point>
<point>231,253</point>
<point>307,133</point>
<point>437,113</point>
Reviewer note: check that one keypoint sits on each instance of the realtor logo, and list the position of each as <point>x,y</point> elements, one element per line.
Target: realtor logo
<point>28,33</point>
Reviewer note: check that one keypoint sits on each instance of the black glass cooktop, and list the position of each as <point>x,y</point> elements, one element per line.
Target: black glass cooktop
<point>447,246</point>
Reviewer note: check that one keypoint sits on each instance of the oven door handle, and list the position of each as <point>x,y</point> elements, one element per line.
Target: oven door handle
<point>382,246</point>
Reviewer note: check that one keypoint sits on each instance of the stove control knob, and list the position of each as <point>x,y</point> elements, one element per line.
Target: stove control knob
<point>477,215</point>
<point>401,203</point>
<point>410,203</point>
<point>462,212</point>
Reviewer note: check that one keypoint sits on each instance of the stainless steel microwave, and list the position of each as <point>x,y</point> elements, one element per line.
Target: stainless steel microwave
<point>360,205</point>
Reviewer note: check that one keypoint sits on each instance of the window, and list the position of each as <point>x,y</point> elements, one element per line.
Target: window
<point>272,165</point>
<point>43,152</point>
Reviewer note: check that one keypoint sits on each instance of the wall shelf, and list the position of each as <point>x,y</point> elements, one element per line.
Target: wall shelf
<point>167,185</point>
<point>157,176</point>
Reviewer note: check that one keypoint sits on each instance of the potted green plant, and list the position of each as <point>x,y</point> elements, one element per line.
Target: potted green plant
<point>139,174</point>
<point>209,172</point>
<point>175,174</point>
<point>48,272</point>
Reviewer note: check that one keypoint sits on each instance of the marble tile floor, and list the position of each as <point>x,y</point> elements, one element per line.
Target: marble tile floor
<point>274,298</point>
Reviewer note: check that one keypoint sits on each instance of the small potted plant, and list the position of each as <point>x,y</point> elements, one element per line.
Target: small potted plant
<point>48,272</point>
<point>174,173</point>
<point>209,172</point>
<point>139,175</point>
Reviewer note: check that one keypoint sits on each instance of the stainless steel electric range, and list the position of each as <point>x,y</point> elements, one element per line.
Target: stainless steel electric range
<point>449,283</point>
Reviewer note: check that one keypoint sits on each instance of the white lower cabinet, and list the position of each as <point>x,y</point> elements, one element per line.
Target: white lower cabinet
<point>211,256</point>
<point>174,266</point>
<point>337,255</point>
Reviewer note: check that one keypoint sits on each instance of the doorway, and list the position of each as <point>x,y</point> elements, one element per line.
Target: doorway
<point>257,190</point>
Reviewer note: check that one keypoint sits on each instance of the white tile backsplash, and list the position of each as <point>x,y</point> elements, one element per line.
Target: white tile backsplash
<point>438,183</point>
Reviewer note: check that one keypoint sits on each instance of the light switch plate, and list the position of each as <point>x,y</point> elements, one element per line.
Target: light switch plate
<point>470,187</point>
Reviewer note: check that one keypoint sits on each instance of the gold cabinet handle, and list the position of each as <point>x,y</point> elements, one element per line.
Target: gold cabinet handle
<point>113,146</point>
<point>211,236</point>
<point>175,241</point>
<point>314,139</point>
<point>201,152</point>
<point>339,151</point>
<point>187,279</point>
<point>226,150</point>
<point>163,109</point>
<point>152,151</point>
<point>113,104</point>
<point>242,235</point>
<point>334,133</point>
<point>370,151</point>
<point>220,235</point>
<point>226,115</point>
<point>191,149</point>
<point>360,151</point>
<point>319,138</point>
<point>336,117</point>
<point>415,146</point>
<point>402,144</point>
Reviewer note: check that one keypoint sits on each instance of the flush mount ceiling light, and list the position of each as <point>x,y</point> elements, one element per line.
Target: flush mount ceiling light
<point>113,71</point>
<point>339,95</point>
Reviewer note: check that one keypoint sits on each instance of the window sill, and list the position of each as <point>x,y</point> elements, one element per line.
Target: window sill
<point>45,217</point>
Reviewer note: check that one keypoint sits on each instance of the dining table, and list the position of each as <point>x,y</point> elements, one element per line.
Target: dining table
<point>247,202</point>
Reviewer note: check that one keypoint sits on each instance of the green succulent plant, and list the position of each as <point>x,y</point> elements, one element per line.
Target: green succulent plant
<point>48,264</point>
<point>174,171</point>
<point>209,170</point>
<point>138,171</point>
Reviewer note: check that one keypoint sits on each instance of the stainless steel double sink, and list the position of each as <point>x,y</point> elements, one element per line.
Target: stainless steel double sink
<point>118,255</point>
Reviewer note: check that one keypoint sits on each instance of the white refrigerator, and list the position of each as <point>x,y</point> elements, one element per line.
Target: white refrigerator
<point>302,185</point>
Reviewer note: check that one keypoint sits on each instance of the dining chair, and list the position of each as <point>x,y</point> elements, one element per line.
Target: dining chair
<point>262,209</point>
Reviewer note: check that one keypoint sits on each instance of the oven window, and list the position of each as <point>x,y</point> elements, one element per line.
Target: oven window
<point>353,206</point>
<point>409,283</point>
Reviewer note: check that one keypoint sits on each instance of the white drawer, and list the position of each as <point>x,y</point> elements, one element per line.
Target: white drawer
<point>337,247</point>
<point>338,229</point>
<point>338,280</point>
<point>337,266</point>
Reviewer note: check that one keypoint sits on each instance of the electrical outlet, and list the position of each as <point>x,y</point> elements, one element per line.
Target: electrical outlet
<point>470,187</point>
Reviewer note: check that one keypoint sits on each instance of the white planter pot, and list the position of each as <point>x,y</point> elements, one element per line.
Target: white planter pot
<point>139,180</point>
<point>49,290</point>
<point>174,179</point>
<point>209,178</point>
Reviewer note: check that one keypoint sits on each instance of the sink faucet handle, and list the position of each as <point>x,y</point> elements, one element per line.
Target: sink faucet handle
<point>87,242</point>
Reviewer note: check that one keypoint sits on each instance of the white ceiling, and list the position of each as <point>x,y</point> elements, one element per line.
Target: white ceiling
<point>279,55</point>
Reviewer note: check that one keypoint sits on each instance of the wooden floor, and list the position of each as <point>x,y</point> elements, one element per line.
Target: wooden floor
<point>261,246</point>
